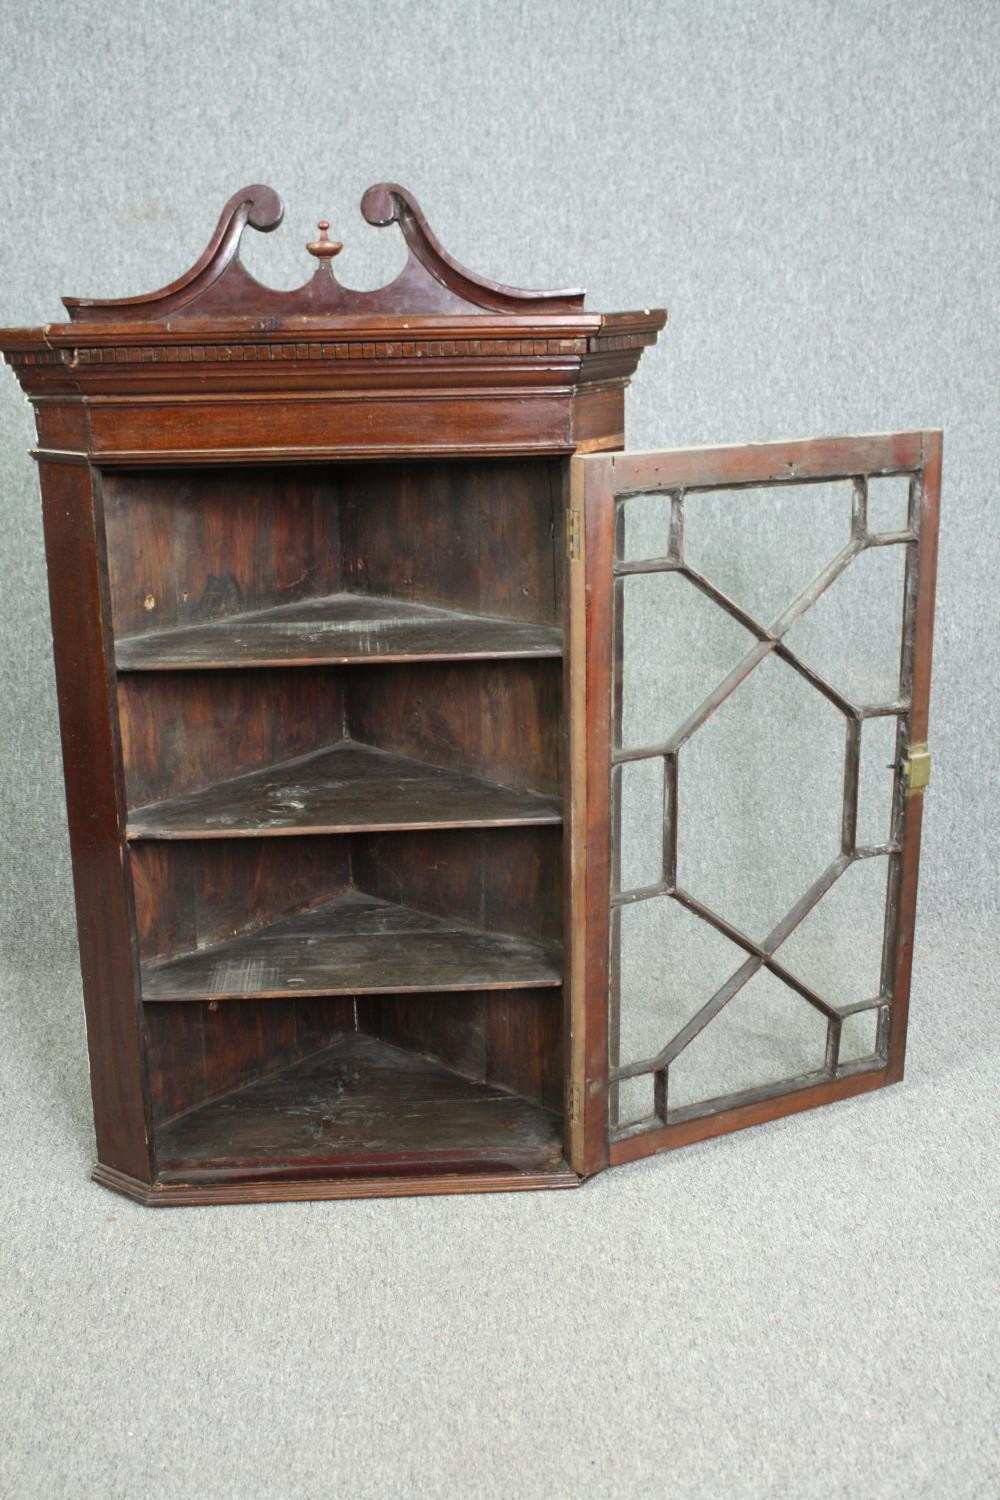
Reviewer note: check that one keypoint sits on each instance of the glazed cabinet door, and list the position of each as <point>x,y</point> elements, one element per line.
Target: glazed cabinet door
<point>750,651</point>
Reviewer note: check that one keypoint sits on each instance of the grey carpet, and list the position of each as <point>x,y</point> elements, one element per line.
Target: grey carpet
<point>806,1310</point>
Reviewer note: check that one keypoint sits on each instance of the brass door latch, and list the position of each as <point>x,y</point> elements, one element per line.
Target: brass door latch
<point>916,769</point>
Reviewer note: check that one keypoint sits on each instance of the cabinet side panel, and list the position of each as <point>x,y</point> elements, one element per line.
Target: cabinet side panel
<point>74,544</point>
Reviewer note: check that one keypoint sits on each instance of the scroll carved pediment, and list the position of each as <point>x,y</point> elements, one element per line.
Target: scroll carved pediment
<point>218,286</point>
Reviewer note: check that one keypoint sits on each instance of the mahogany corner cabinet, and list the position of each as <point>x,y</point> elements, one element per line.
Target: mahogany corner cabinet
<point>457,801</point>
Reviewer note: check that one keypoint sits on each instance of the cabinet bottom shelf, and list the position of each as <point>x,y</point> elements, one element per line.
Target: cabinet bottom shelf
<point>361,1108</point>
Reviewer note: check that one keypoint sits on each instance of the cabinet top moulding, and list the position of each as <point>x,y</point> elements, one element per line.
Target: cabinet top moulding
<point>216,367</point>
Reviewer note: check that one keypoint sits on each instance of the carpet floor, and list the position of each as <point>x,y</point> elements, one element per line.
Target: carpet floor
<point>807,1309</point>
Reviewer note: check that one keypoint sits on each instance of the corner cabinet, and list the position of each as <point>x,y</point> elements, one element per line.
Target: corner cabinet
<point>458,802</point>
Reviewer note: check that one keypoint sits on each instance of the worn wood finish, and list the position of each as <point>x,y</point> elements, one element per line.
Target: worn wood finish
<point>511,1038</point>
<point>341,628</point>
<point>184,731</point>
<point>436,1184</point>
<point>773,1104</point>
<point>338,790</point>
<point>582,1029</point>
<point>471,536</point>
<point>498,720</point>
<point>194,548</point>
<point>192,894</point>
<point>240,483</point>
<point>921,587</point>
<point>503,879</point>
<point>309,392</point>
<point>201,1050</point>
<point>592,495</point>
<point>321,1114</point>
<point>355,944</point>
<point>227,421</point>
<point>299,427</point>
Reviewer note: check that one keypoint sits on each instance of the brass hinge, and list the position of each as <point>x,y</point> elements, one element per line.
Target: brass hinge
<point>574,1102</point>
<point>574,534</point>
<point>916,769</point>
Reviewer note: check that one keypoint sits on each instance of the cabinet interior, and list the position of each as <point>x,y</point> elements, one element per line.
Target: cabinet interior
<point>339,694</point>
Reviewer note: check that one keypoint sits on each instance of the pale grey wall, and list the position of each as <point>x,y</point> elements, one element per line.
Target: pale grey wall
<point>807,186</point>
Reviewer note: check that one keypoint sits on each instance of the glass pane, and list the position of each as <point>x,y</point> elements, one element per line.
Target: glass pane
<point>634,1101</point>
<point>762,759</point>
<point>837,949</point>
<point>888,503</point>
<point>859,1036</point>
<point>760,797</point>
<point>671,964</point>
<point>852,634</point>
<point>644,527</point>
<point>876,780</point>
<point>787,534</point>
<point>676,645</point>
<point>640,821</point>
<point>764,1035</point>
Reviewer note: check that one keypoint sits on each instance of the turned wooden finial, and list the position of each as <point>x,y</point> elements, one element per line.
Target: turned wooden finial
<point>324,248</point>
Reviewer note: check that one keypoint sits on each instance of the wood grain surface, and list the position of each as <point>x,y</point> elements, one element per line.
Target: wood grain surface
<point>344,788</point>
<point>354,1106</point>
<point>355,944</point>
<point>338,628</point>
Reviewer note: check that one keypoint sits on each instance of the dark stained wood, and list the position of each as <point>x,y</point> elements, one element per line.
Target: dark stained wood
<point>499,720</point>
<point>469,535</point>
<point>593,496</point>
<point>197,894</point>
<point>201,1050</point>
<point>183,731</point>
<point>358,1106</point>
<point>226,421</point>
<point>195,547</point>
<point>773,1105</point>
<point>442,386</point>
<point>299,428</point>
<point>304,1189</point>
<point>767,463</point>
<point>369,485</point>
<point>508,1037</point>
<point>340,628</point>
<point>217,285</point>
<point>355,944</point>
<point>95,803</point>
<point>578,1032</point>
<point>921,586</point>
<point>339,789</point>
<point>503,879</point>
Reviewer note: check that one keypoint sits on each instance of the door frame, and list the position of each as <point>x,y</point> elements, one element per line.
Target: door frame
<point>596,481</point>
